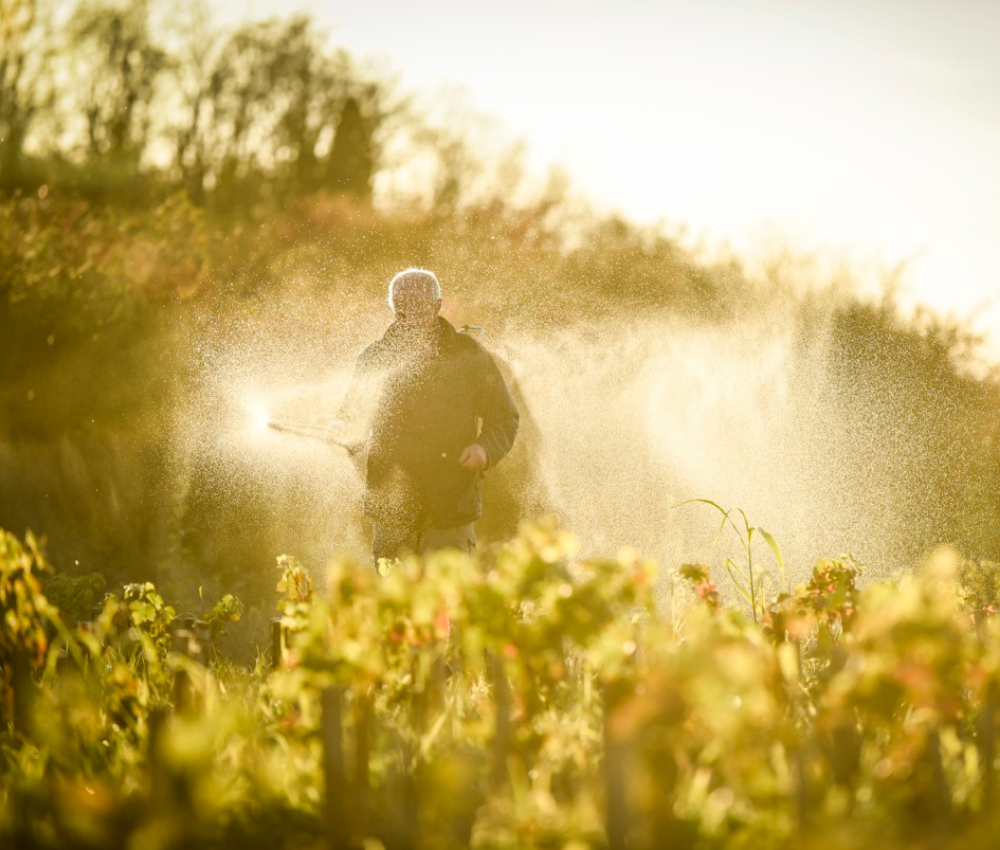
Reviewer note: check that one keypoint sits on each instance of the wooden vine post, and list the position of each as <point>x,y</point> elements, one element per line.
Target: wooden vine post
<point>334,772</point>
<point>501,699</point>
<point>277,643</point>
<point>987,728</point>
<point>23,691</point>
<point>362,751</point>
<point>616,807</point>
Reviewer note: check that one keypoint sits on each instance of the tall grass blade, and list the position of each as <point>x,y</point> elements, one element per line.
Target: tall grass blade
<point>778,556</point>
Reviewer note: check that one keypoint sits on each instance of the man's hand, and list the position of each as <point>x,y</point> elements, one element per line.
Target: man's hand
<point>473,457</point>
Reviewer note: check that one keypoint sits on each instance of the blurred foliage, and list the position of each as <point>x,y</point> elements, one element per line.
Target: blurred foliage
<point>229,609</point>
<point>24,639</point>
<point>76,597</point>
<point>527,699</point>
<point>980,581</point>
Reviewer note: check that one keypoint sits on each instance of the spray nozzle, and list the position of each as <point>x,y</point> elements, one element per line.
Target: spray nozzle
<point>259,418</point>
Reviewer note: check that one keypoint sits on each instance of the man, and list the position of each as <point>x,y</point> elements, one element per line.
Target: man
<point>437,414</point>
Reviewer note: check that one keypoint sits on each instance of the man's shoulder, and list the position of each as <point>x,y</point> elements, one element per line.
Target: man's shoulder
<point>376,350</point>
<point>455,342</point>
<point>465,345</point>
<point>466,341</point>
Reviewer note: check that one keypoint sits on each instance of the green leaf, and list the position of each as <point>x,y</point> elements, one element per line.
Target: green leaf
<point>732,570</point>
<point>778,557</point>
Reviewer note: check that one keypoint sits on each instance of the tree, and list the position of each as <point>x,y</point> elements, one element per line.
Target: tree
<point>269,112</point>
<point>24,49</point>
<point>351,162</point>
<point>122,64</point>
<point>257,107</point>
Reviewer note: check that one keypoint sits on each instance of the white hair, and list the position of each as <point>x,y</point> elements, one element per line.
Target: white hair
<point>413,276</point>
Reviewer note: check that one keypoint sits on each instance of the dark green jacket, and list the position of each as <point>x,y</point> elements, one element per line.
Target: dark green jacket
<point>422,410</point>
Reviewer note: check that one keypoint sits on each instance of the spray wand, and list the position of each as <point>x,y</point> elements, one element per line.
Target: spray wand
<point>315,432</point>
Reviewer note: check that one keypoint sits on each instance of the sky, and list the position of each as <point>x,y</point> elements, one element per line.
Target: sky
<point>864,131</point>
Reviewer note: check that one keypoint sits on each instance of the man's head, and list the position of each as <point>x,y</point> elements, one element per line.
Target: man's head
<point>415,298</point>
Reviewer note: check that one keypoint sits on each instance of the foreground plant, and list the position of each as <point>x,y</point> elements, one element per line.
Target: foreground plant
<point>528,699</point>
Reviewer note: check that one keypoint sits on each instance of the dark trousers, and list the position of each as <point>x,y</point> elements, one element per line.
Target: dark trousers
<point>389,541</point>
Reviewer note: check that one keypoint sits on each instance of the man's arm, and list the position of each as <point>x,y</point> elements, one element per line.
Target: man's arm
<point>498,412</point>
